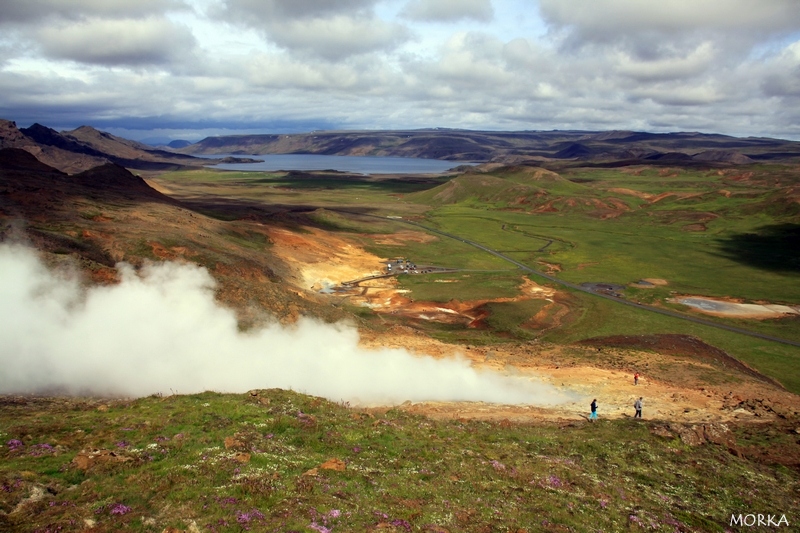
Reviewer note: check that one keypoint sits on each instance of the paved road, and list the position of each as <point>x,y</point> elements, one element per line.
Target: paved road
<point>554,279</point>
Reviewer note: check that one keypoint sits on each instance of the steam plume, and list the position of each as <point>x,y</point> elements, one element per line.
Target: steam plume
<point>160,329</point>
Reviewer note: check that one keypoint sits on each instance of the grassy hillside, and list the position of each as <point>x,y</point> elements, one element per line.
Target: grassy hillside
<point>281,461</point>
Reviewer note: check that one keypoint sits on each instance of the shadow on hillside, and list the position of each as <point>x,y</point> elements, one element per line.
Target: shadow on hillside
<point>775,248</point>
<point>230,209</point>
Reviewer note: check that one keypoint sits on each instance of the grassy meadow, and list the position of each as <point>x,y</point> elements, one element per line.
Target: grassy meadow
<point>282,461</point>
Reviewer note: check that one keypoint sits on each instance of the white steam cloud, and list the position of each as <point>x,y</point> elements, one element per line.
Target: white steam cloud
<point>161,330</point>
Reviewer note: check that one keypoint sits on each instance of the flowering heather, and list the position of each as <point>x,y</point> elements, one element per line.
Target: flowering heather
<point>497,465</point>
<point>41,449</point>
<point>401,523</point>
<point>14,444</point>
<point>227,501</point>
<point>120,509</point>
<point>245,518</point>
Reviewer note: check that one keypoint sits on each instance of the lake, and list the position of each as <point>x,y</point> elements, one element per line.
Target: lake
<point>343,163</point>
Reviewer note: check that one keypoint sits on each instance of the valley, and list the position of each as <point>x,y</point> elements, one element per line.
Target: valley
<point>547,271</point>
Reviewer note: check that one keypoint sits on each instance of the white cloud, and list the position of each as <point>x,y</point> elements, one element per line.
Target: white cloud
<point>337,37</point>
<point>681,67</point>
<point>679,96</point>
<point>28,11</point>
<point>267,11</point>
<point>333,30</point>
<point>614,20</point>
<point>448,10</point>
<point>117,41</point>
<point>161,329</point>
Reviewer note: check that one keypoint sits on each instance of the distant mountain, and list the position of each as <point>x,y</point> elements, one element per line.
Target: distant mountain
<point>179,143</point>
<point>614,147</point>
<point>85,147</point>
<point>49,152</point>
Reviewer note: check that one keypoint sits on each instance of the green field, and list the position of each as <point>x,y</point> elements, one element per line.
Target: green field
<point>732,233</point>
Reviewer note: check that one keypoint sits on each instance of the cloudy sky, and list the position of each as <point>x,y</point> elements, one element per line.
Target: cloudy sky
<point>190,68</point>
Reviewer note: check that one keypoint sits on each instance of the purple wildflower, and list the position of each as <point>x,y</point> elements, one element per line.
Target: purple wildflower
<point>41,449</point>
<point>334,513</point>
<point>554,481</point>
<point>603,503</point>
<point>498,465</point>
<point>356,449</point>
<point>401,523</point>
<point>120,509</point>
<point>227,501</point>
<point>122,444</point>
<point>14,444</point>
<point>317,527</point>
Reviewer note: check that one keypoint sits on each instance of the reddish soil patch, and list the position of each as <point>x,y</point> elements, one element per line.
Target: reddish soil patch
<point>630,192</point>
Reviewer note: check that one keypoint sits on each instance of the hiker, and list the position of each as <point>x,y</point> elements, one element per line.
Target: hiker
<point>638,406</point>
<point>593,415</point>
<point>636,378</point>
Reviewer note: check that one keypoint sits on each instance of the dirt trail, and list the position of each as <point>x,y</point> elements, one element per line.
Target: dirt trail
<point>683,397</point>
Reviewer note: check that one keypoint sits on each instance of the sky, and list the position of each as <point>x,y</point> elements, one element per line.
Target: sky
<point>185,69</point>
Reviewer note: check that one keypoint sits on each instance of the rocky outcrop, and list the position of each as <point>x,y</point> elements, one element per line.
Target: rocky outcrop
<point>699,434</point>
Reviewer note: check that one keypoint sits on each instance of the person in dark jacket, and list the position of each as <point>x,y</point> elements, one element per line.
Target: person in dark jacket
<point>593,414</point>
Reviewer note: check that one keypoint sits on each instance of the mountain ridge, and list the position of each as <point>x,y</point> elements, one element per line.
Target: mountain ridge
<point>493,146</point>
<point>85,147</point>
